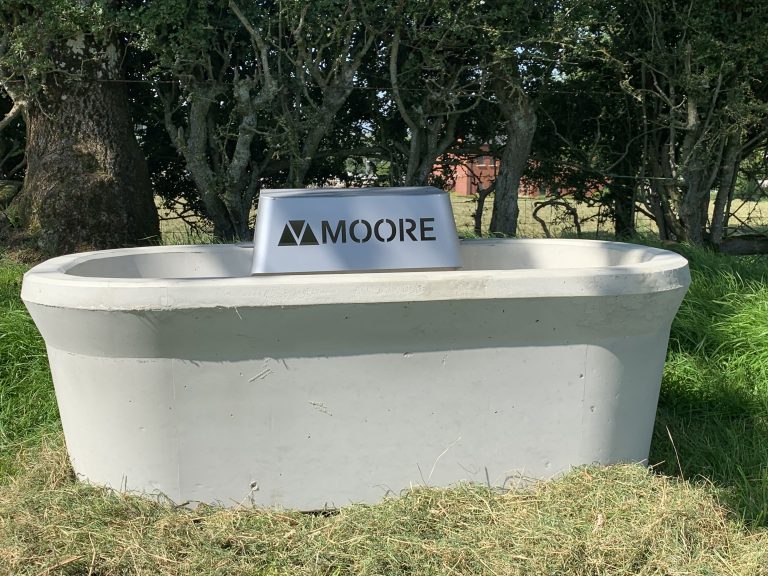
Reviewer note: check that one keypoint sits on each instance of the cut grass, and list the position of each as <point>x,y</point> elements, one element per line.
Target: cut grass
<point>616,520</point>
<point>704,512</point>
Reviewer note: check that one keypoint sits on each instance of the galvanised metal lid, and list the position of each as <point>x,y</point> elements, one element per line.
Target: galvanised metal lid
<point>354,229</point>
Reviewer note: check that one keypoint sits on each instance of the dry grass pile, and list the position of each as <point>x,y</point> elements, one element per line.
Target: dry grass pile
<point>616,520</point>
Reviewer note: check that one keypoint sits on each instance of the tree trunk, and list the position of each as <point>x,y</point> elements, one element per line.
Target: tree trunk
<point>482,194</point>
<point>693,212</point>
<point>624,204</point>
<point>329,108</point>
<point>728,172</point>
<point>429,140</point>
<point>665,195</point>
<point>624,212</point>
<point>521,125</point>
<point>193,143</point>
<point>87,184</point>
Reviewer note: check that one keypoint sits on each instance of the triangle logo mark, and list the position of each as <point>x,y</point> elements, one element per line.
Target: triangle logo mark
<point>297,233</point>
<point>308,238</point>
<point>287,238</point>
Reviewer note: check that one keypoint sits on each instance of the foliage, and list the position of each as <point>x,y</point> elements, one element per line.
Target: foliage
<point>27,403</point>
<point>26,58</point>
<point>11,146</point>
<point>654,104</point>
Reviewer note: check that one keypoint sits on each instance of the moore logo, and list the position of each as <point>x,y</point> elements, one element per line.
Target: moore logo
<point>300,233</point>
<point>297,233</point>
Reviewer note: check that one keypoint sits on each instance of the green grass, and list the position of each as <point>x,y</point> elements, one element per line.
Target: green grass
<point>703,511</point>
<point>27,403</point>
<point>712,421</point>
<point>183,235</point>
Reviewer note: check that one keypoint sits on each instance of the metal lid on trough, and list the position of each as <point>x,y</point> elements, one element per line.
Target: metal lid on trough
<point>354,229</point>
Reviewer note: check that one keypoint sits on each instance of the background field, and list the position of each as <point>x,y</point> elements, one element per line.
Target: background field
<point>750,216</point>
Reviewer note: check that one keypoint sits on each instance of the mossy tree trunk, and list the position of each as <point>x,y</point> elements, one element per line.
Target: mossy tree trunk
<point>87,184</point>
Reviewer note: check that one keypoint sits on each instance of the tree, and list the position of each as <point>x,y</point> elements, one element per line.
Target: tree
<point>213,71</point>
<point>662,101</point>
<point>697,73</point>
<point>519,55</point>
<point>86,182</point>
<point>326,45</point>
<point>252,91</point>
<point>521,61</point>
<point>589,144</point>
<point>435,77</point>
<point>11,156</point>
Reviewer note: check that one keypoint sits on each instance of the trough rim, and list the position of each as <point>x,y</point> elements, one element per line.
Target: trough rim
<point>49,284</point>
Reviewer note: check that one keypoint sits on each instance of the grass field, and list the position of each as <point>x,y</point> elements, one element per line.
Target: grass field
<point>559,222</point>
<point>703,509</point>
<point>176,232</point>
<point>749,216</point>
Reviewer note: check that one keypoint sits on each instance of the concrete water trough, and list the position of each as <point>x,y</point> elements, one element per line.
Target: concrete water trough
<point>176,372</point>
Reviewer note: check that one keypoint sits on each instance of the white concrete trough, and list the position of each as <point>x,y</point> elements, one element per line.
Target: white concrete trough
<point>178,373</point>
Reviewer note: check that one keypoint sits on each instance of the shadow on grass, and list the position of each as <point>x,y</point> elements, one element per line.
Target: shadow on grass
<point>697,439</point>
<point>712,420</point>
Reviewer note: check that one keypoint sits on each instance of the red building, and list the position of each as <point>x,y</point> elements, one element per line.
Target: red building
<point>464,175</point>
<point>471,173</point>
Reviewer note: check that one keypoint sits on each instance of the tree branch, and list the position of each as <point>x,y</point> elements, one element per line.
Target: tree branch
<point>18,107</point>
<point>261,45</point>
<point>395,49</point>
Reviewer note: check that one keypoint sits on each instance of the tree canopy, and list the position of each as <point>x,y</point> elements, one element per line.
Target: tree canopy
<point>650,106</point>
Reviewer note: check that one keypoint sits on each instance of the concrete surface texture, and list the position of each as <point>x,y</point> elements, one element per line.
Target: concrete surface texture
<point>178,373</point>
